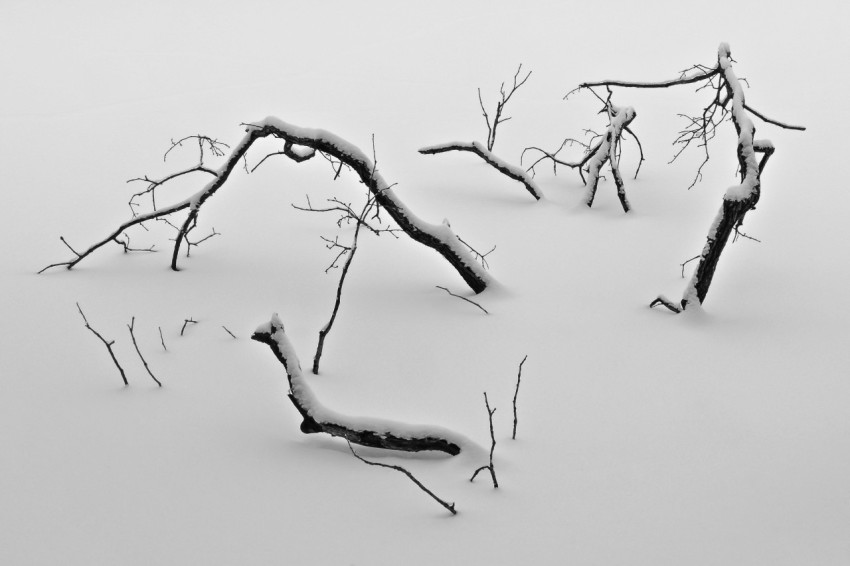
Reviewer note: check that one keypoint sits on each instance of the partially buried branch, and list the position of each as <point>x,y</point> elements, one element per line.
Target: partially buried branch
<point>107,343</point>
<point>449,506</point>
<point>372,432</point>
<point>310,141</point>
<point>728,101</point>
<point>602,149</point>
<point>135,345</point>
<point>485,151</point>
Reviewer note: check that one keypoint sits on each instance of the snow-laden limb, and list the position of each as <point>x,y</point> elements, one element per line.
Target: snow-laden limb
<point>738,199</point>
<point>366,431</point>
<point>512,171</point>
<point>604,150</point>
<point>619,119</point>
<point>309,141</point>
<point>728,101</point>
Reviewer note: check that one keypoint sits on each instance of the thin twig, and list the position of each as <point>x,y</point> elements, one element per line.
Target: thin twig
<point>463,298</point>
<point>449,506</point>
<point>492,446</point>
<point>133,336</point>
<point>161,339</point>
<point>185,322</point>
<point>106,343</point>
<point>229,332</point>
<point>518,378</point>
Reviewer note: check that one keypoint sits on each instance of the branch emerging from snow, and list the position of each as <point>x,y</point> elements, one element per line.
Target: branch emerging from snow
<point>372,432</point>
<point>107,343</point>
<point>449,506</point>
<point>503,167</point>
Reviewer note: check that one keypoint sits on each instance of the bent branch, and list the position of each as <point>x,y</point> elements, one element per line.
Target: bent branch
<point>438,237</point>
<point>364,431</point>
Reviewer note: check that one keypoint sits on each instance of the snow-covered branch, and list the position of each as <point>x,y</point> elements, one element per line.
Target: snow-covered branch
<point>739,199</point>
<point>369,431</point>
<point>606,149</point>
<point>512,171</point>
<point>438,237</point>
<point>485,151</point>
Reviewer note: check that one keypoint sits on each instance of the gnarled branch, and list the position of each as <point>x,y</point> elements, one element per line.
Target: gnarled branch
<point>365,431</point>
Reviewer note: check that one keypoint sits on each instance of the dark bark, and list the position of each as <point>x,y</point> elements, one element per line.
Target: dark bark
<point>488,157</point>
<point>364,437</point>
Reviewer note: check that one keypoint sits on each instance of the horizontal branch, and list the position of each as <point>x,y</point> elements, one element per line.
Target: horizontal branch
<point>515,173</point>
<point>376,433</point>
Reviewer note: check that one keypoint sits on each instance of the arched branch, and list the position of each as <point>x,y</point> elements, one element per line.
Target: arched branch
<point>438,237</point>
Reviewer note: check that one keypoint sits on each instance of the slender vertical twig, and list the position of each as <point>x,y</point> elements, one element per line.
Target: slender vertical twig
<point>161,339</point>
<point>518,378</point>
<point>133,336</point>
<point>106,343</point>
<point>492,446</point>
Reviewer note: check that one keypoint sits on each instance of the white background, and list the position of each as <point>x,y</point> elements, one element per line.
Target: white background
<point>715,437</point>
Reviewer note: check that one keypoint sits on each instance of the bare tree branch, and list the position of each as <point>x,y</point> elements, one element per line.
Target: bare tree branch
<point>106,343</point>
<point>516,393</point>
<point>463,299</point>
<point>133,336</point>
<point>449,506</point>
<point>367,432</point>
<point>437,237</point>
<point>492,446</point>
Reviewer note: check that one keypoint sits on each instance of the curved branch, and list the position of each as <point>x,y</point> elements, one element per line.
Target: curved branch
<point>438,237</point>
<point>515,173</point>
<point>365,431</point>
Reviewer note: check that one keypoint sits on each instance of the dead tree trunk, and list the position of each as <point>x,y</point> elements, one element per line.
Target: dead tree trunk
<point>438,237</point>
<point>365,431</point>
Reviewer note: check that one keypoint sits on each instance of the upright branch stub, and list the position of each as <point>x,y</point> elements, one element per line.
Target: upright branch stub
<point>316,418</point>
<point>485,151</point>
<point>603,148</point>
<point>438,237</point>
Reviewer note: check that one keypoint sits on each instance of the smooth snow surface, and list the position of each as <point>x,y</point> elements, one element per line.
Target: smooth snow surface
<point>715,437</point>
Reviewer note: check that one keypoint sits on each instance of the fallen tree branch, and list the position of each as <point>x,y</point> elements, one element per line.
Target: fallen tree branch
<point>605,150</point>
<point>372,432</point>
<point>485,151</point>
<point>503,167</point>
<point>438,237</point>
<point>107,343</point>
<point>449,506</point>
<point>463,299</point>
